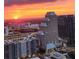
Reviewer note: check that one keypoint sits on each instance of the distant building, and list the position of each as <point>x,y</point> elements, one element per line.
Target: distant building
<point>6,30</point>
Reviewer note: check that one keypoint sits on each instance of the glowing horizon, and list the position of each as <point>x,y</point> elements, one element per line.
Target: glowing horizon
<point>39,10</point>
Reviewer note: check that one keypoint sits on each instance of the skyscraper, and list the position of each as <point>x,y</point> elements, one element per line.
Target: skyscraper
<point>51,31</point>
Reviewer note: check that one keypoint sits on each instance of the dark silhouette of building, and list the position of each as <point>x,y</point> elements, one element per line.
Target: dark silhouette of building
<point>66,28</point>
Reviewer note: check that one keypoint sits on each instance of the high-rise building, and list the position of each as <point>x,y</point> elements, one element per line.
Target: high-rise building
<point>66,28</point>
<point>51,31</point>
<point>6,51</point>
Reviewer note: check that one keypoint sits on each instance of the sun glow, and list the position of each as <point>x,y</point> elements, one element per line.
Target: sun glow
<point>15,17</point>
<point>38,10</point>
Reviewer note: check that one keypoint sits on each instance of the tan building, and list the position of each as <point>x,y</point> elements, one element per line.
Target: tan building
<point>51,31</point>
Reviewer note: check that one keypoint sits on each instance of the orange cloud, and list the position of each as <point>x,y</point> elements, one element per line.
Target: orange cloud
<point>61,7</point>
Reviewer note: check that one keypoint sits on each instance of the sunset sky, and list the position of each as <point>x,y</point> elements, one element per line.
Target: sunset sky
<point>31,9</point>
